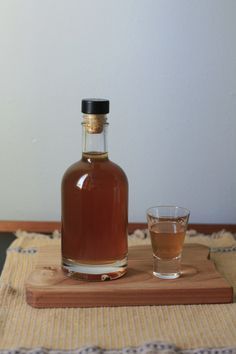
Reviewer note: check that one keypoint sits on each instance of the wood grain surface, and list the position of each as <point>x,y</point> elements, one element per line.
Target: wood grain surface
<point>50,226</point>
<point>200,283</point>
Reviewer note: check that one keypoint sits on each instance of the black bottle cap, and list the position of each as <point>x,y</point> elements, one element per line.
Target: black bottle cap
<point>95,106</point>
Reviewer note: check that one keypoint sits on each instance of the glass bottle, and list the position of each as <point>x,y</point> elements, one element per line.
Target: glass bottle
<point>94,205</point>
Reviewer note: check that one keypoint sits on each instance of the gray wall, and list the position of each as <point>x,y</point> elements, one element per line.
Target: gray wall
<point>169,69</point>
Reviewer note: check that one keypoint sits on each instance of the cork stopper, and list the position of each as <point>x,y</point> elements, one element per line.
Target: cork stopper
<point>94,123</point>
<point>95,110</point>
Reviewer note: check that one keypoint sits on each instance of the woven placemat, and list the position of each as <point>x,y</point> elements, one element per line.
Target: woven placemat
<point>122,328</point>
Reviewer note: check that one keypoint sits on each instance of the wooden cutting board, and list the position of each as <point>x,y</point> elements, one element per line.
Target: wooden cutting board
<point>200,283</point>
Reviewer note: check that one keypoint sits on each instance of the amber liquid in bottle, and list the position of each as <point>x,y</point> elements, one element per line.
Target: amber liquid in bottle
<point>94,213</point>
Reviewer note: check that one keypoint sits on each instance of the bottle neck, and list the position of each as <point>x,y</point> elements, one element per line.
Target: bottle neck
<point>95,136</point>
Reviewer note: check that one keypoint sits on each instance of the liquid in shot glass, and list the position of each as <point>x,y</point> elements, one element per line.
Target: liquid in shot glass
<point>167,226</point>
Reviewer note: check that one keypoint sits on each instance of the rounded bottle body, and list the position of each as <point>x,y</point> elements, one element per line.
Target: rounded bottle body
<point>95,218</point>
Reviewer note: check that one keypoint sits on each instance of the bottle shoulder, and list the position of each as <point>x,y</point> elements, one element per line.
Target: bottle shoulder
<point>118,168</point>
<point>99,169</point>
<point>76,167</point>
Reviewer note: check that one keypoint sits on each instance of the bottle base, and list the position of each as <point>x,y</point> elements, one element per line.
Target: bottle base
<point>95,272</point>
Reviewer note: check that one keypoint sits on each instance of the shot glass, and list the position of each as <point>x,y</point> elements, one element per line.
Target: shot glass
<point>167,226</point>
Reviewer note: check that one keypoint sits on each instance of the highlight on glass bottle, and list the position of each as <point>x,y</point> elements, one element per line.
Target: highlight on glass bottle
<point>94,205</point>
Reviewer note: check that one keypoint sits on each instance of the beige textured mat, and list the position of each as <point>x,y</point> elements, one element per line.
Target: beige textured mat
<point>187,326</point>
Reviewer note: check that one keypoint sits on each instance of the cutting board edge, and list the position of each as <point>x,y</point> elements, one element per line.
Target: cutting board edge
<point>40,300</point>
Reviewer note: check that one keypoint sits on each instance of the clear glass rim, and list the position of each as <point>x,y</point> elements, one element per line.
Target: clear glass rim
<point>185,211</point>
